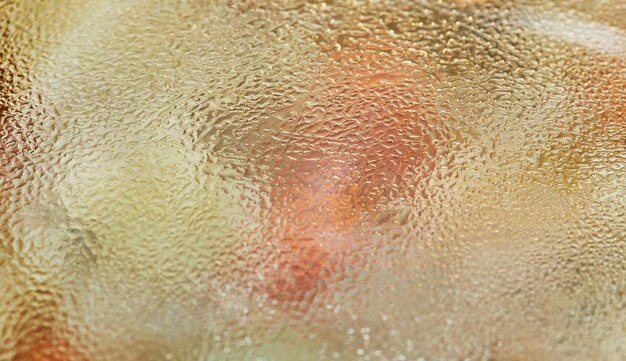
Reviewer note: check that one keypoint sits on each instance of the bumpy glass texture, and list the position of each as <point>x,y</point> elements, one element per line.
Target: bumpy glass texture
<point>309,180</point>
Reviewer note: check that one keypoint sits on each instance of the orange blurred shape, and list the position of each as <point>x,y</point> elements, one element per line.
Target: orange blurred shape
<point>379,110</point>
<point>44,345</point>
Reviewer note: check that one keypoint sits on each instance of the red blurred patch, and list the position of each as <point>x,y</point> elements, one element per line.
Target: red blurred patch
<point>369,133</point>
<point>44,344</point>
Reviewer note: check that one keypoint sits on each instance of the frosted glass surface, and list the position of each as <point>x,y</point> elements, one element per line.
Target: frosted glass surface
<point>307,180</point>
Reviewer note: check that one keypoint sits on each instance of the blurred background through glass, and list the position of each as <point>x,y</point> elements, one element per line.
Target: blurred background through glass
<point>310,180</point>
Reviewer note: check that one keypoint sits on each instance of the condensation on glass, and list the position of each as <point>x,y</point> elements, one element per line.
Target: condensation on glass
<point>293,180</point>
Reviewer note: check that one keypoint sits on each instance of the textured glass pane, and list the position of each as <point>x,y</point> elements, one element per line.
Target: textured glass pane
<point>306,180</point>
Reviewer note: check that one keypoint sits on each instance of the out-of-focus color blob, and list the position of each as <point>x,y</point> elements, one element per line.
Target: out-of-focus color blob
<point>312,180</point>
<point>368,141</point>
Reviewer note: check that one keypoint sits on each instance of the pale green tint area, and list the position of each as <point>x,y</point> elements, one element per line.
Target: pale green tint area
<point>292,180</point>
